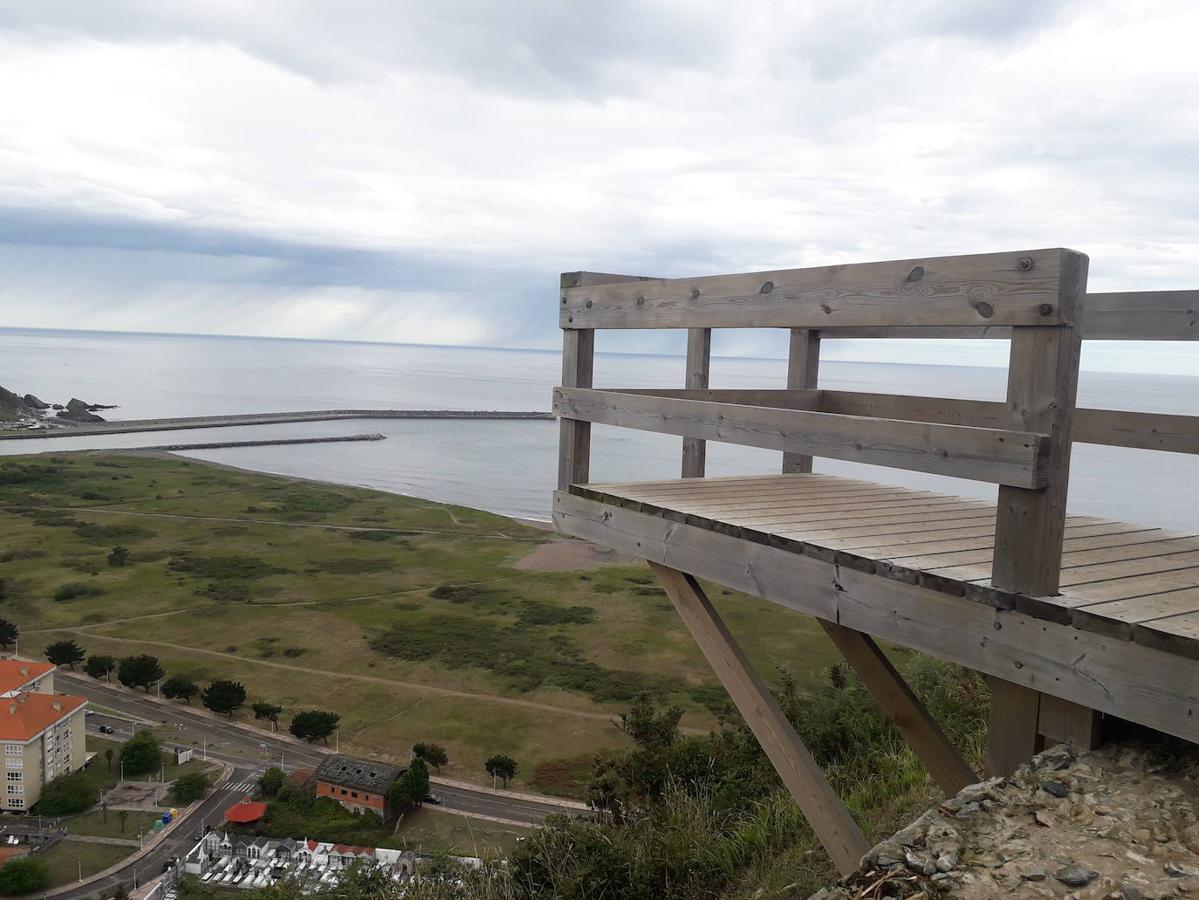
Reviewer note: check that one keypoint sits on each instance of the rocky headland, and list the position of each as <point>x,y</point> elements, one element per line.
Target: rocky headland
<point>30,411</point>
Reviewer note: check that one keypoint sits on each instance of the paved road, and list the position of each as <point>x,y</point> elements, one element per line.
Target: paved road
<point>255,750</point>
<point>177,843</point>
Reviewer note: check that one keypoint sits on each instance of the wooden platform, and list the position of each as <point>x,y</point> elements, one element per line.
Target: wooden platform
<point>1122,580</point>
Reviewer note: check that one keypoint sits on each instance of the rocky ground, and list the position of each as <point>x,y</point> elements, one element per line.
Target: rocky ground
<point>1118,822</point>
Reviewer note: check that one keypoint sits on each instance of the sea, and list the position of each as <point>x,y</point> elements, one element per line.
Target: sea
<point>509,467</point>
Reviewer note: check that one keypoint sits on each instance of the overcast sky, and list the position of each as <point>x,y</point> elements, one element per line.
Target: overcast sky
<point>420,172</point>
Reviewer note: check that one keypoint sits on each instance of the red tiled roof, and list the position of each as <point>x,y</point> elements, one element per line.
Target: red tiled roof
<point>245,812</point>
<point>16,673</point>
<point>28,715</point>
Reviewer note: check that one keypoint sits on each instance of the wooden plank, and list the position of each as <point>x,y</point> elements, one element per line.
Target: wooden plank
<point>1012,723</point>
<point>824,810</point>
<point>803,374</point>
<point>1156,688</point>
<point>699,361</point>
<point>576,279</point>
<point>919,729</point>
<point>1118,316</point>
<point>977,539</point>
<point>993,455</point>
<point>1111,427</point>
<point>782,399</point>
<point>1179,563</point>
<point>1022,288</point>
<point>1141,316</point>
<point>1129,586</point>
<point>1068,723</point>
<point>574,436</point>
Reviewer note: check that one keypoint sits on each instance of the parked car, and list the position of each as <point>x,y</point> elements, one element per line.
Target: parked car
<point>433,799</point>
<point>107,729</point>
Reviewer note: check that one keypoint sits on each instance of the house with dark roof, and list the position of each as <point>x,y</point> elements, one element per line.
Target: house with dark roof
<point>357,784</point>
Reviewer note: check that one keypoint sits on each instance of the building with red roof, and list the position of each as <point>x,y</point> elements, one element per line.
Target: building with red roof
<point>245,812</point>
<point>42,733</point>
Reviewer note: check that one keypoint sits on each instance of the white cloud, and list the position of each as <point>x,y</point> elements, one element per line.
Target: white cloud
<point>365,167</point>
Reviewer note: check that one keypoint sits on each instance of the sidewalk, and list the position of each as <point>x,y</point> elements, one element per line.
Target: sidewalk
<point>133,858</point>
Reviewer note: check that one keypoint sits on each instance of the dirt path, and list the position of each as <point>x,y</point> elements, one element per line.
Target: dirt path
<point>365,679</point>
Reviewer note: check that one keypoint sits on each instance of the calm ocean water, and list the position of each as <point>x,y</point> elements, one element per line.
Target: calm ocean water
<point>509,467</point>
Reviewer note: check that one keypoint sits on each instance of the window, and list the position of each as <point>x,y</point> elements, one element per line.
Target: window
<point>16,802</point>
<point>14,762</point>
<point>14,776</point>
<point>16,790</point>
<point>13,749</point>
<point>354,794</point>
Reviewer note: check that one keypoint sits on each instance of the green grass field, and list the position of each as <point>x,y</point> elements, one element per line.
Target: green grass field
<point>407,617</point>
<point>67,859</point>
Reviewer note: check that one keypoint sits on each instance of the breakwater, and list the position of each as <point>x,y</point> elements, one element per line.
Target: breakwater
<point>180,423</point>
<point>275,442</point>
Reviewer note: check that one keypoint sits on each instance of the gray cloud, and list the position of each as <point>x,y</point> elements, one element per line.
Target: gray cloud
<point>424,170</point>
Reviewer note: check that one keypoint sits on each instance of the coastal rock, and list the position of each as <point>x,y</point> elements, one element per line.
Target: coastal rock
<point>78,415</point>
<point>1118,823</point>
<point>34,403</point>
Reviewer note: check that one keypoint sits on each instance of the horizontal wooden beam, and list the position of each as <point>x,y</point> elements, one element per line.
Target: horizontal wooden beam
<point>993,455</point>
<point>1112,427</point>
<point>1123,678</point>
<point>1141,316</point>
<point>1018,288</point>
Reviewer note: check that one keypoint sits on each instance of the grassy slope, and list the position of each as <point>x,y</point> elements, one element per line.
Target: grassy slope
<point>301,636</point>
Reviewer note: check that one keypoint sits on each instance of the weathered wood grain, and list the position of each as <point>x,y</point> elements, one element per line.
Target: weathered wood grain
<point>1019,288</point>
<point>803,374</point>
<point>574,435</point>
<point>1157,688</point>
<point>824,810</point>
<point>699,362</point>
<point>992,455</point>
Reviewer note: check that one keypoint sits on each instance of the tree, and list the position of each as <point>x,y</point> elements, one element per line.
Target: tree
<point>501,766</point>
<point>314,723</point>
<point>24,876</point>
<point>142,753</point>
<point>271,780</point>
<point>433,754</point>
<point>190,786</point>
<point>650,729</point>
<point>8,633</point>
<point>118,557</point>
<point>224,697</point>
<point>410,789</point>
<point>65,653</point>
<point>108,758</point>
<point>179,688</point>
<point>268,711</point>
<point>99,666</point>
<point>139,671</point>
<point>608,792</point>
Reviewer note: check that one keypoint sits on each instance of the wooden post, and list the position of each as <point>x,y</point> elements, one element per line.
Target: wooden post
<point>1012,730</point>
<point>803,368</point>
<point>574,438</point>
<point>1029,524</point>
<point>699,357</point>
<point>825,811</point>
<point>903,708</point>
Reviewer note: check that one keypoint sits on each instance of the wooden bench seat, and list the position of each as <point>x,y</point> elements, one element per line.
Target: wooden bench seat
<point>1128,581</point>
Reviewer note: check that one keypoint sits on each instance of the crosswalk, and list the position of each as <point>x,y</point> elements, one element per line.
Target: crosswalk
<point>245,787</point>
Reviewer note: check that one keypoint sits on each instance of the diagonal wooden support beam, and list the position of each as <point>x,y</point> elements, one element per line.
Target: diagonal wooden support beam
<point>919,729</point>
<point>825,811</point>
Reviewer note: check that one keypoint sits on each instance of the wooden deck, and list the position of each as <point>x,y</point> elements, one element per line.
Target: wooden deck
<point>1118,579</point>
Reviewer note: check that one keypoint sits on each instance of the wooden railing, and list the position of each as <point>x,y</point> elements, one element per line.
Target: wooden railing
<point>1036,299</point>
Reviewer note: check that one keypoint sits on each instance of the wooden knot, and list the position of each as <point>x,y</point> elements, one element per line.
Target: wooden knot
<point>589,304</point>
<point>766,288</point>
<point>984,309</point>
<point>1025,263</point>
<point>916,274</point>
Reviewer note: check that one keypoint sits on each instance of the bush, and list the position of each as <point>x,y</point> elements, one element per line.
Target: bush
<point>222,567</point>
<point>67,794</point>
<point>99,665</point>
<point>271,781</point>
<point>140,754</point>
<point>75,589</point>
<point>190,786</point>
<point>24,876</point>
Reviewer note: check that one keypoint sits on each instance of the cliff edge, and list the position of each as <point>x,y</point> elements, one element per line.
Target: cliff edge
<point>1119,822</point>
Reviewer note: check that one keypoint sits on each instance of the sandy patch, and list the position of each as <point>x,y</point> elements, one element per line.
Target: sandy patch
<point>564,555</point>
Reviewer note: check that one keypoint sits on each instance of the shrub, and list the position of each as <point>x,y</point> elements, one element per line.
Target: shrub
<point>67,794</point>
<point>271,781</point>
<point>222,567</point>
<point>226,591</point>
<point>190,786</point>
<point>99,666</point>
<point>74,589</point>
<point>24,876</point>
